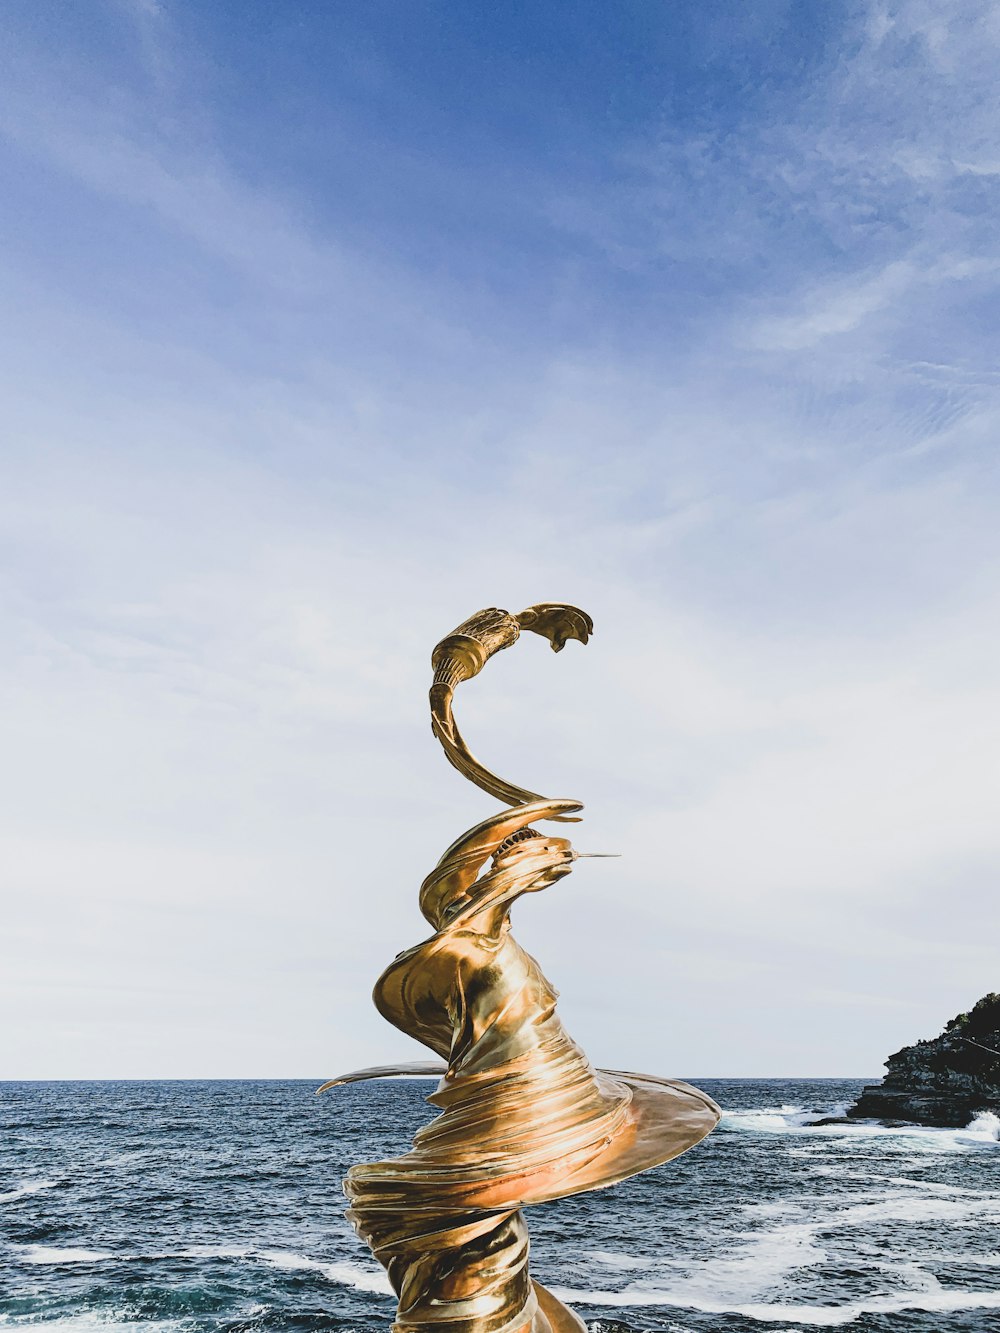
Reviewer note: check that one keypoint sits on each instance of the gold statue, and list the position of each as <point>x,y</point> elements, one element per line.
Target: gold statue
<point>524,1116</point>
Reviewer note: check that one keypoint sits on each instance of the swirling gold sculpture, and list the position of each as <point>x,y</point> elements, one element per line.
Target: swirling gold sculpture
<point>524,1116</point>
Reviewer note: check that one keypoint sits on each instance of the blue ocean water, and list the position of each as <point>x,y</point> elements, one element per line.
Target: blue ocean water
<point>167,1207</point>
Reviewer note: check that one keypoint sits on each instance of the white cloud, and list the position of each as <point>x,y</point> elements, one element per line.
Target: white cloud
<point>221,792</point>
<point>839,311</point>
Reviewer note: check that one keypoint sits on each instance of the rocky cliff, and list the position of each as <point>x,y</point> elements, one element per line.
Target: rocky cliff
<point>944,1081</point>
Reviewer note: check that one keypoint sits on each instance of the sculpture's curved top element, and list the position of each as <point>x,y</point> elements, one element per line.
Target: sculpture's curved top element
<point>464,652</point>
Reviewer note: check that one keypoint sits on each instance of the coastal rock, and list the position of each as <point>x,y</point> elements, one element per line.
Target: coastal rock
<point>945,1081</point>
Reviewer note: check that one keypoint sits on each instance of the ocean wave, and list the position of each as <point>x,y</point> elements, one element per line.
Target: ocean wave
<point>612,1259</point>
<point>207,1252</point>
<point>124,1158</point>
<point>982,1130</point>
<point>344,1274</point>
<point>907,1208</point>
<point>768,1119</point>
<point>920,1202</point>
<point>90,1322</point>
<point>619,1326</point>
<point>932,1301</point>
<point>932,1186</point>
<point>758,1261</point>
<point>966,1259</point>
<point>52,1254</point>
<point>755,1266</point>
<point>26,1188</point>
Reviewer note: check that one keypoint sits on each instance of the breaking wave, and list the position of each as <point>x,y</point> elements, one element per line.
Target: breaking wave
<point>26,1189</point>
<point>983,1129</point>
<point>938,1301</point>
<point>345,1274</point>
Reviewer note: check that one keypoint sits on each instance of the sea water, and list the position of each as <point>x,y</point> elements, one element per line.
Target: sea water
<point>173,1206</point>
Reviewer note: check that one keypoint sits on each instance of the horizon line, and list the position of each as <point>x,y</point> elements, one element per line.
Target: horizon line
<point>298,1078</point>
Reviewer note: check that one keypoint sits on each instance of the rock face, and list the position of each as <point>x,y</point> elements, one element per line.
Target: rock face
<point>945,1081</point>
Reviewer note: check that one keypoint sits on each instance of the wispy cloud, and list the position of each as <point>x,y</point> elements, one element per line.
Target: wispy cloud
<point>841,223</point>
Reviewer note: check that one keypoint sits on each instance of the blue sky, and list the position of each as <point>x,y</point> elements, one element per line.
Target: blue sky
<point>327,325</point>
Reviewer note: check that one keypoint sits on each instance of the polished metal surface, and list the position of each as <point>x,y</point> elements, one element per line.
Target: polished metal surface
<point>524,1117</point>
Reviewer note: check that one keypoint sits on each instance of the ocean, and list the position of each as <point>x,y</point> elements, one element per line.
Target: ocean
<point>185,1207</point>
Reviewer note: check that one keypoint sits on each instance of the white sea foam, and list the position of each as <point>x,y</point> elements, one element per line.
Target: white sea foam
<point>91,1323</point>
<point>345,1275</point>
<point>612,1259</point>
<point>983,1130</point>
<point>26,1188</point>
<point>364,1279</point>
<point>123,1158</point>
<point>756,1264</point>
<point>934,1300</point>
<point>975,1260</point>
<point>931,1186</point>
<point>51,1254</point>
<point>207,1252</point>
<point>911,1208</point>
<point>760,1262</point>
<point>287,1259</point>
<point>753,1263</point>
<point>768,1119</point>
<point>829,1212</point>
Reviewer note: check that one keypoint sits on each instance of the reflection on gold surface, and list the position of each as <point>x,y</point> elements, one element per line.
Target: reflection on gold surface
<point>524,1116</point>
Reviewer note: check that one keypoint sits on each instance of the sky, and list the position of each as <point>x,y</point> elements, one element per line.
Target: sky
<point>325,326</point>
